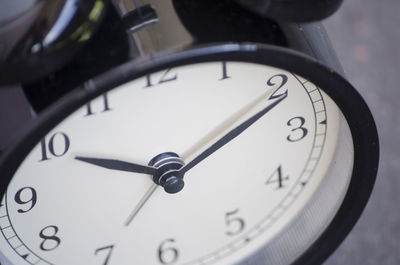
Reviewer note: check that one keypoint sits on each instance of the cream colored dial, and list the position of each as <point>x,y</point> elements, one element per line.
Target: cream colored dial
<point>246,196</point>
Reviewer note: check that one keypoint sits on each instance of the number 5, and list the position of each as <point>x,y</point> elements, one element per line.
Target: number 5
<point>232,220</point>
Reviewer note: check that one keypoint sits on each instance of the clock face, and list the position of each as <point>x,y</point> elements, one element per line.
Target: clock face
<point>273,187</point>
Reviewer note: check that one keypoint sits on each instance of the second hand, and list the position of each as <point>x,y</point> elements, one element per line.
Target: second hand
<point>139,206</point>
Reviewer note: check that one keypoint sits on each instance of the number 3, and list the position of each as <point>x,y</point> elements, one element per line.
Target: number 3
<point>304,131</point>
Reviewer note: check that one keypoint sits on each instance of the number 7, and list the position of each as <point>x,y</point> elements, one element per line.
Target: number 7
<point>108,255</point>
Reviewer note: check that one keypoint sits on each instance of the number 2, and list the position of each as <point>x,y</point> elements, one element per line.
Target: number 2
<point>283,78</point>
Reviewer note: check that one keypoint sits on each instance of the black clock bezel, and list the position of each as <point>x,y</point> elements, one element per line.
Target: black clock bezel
<point>355,110</point>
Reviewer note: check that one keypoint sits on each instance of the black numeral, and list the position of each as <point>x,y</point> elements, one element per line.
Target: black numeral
<point>50,240</point>
<point>224,72</point>
<point>31,200</point>
<point>106,107</point>
<point>165,77</point>
<point>235,223</point>
<point>61,149</point>
<point>283,80</point>
<point>109,248</point>
<point>299,132</point>
<point>277,177</point>
<point>167,254</point>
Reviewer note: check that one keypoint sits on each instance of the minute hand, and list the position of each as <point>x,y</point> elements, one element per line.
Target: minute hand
<point>229,136</point>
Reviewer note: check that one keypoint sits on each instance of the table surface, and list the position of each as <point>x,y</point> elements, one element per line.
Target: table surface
<point>365,36</point>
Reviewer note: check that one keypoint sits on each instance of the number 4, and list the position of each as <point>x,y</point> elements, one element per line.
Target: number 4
<point>277,177</point>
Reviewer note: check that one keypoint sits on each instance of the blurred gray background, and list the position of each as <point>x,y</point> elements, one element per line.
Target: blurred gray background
<point>366,37</point>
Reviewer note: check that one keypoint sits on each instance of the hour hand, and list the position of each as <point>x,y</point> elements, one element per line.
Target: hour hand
<point>118,165</point>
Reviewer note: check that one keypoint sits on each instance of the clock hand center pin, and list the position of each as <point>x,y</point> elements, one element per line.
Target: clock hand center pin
<point>168,165</point>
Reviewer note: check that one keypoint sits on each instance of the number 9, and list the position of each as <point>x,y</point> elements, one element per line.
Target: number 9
<point>31,200</point>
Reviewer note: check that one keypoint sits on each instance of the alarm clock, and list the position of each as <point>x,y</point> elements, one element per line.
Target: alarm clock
<point>214,135</point>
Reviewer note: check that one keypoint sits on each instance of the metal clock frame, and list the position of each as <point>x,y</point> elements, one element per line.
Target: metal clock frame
<point>356,112</point>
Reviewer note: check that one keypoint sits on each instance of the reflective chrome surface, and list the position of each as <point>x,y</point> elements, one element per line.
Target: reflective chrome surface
<point>38,37</point>
<point>181,23</point>
<point>162,31</point>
